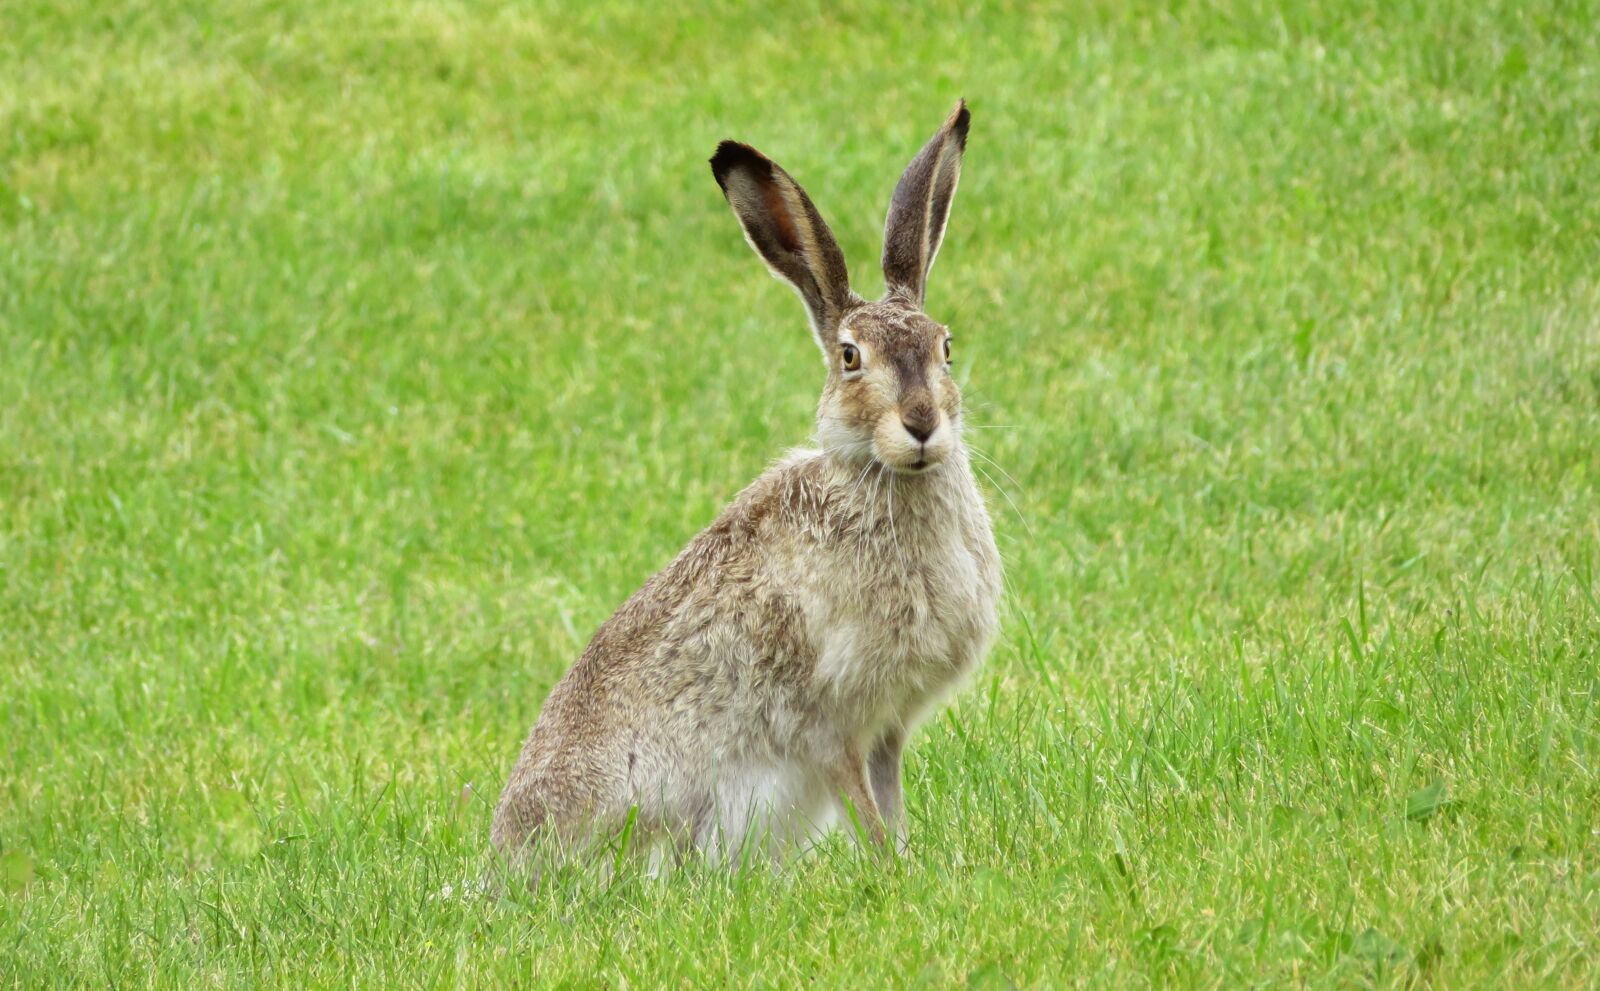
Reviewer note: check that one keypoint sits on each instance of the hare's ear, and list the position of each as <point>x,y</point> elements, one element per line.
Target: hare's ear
<point>920,207</point>
<point>786,231</point>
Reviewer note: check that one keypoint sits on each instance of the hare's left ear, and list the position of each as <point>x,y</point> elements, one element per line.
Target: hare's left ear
<point>787,232</point>
<point>920,207</point>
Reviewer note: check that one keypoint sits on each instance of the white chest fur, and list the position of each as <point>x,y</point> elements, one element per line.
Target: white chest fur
<point>901,615</point>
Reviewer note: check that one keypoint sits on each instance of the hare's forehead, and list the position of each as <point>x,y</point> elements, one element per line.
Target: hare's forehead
<point>890,330</point>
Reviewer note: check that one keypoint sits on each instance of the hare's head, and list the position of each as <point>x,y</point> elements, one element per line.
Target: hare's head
<point>889,395</point>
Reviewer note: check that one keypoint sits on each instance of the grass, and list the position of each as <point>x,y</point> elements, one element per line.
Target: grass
<point>356,360</point>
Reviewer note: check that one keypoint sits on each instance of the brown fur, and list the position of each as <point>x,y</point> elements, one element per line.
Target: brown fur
<point>767,679</point>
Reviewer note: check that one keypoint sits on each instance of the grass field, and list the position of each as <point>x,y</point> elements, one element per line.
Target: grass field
<point>357,359</point>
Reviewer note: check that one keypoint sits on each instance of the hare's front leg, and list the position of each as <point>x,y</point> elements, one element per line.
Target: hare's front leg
<point>883,766</point>
<point>849,782</point>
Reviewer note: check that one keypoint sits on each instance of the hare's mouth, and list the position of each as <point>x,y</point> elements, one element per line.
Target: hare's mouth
<point>919,466</point>
<point>910,450</point>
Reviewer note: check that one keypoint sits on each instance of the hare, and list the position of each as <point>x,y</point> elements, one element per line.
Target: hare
<point>761,688</point>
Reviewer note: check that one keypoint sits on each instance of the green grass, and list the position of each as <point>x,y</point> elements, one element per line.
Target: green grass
<point>357,359</point>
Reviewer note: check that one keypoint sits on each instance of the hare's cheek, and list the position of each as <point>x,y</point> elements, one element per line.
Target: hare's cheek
<point>860,403</point>
<point>838,427</point>
<point>950,399</point>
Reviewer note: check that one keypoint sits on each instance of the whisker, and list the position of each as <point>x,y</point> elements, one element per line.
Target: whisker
<point>1001,489</point>
<point>863,523</point>
<point>857,485</point>
<point>894,535</point>
<point>877,482</point>
<point>997,466</point>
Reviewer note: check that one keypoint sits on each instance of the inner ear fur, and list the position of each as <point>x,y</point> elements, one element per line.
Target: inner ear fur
<point>920,208</point>
<point>784,227</point>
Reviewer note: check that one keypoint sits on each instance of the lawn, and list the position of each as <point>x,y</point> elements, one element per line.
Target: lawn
<point>357,359</point>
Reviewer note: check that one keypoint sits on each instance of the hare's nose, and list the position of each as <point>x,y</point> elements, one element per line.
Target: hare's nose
<point>919,416</point>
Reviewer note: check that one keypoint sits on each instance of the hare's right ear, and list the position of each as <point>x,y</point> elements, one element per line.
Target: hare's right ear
<point>787,232</point>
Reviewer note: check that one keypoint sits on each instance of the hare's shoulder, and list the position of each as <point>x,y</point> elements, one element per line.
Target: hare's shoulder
<point>789,501</point>
<point>726,566</point>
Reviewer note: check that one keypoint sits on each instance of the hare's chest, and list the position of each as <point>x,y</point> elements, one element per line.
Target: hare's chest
<point>900,634</point>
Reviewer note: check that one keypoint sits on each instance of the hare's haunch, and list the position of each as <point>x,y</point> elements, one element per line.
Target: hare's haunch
<point>763,685</point>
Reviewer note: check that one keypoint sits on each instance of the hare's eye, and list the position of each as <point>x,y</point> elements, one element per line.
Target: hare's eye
<point>947,341</point>
<point>852,357</point>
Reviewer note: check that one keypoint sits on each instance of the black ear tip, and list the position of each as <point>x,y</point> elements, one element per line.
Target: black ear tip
<point>960,119</point>
<point>734,154</point>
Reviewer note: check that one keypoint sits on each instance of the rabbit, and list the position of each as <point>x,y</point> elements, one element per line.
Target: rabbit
<point>760,689</point>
